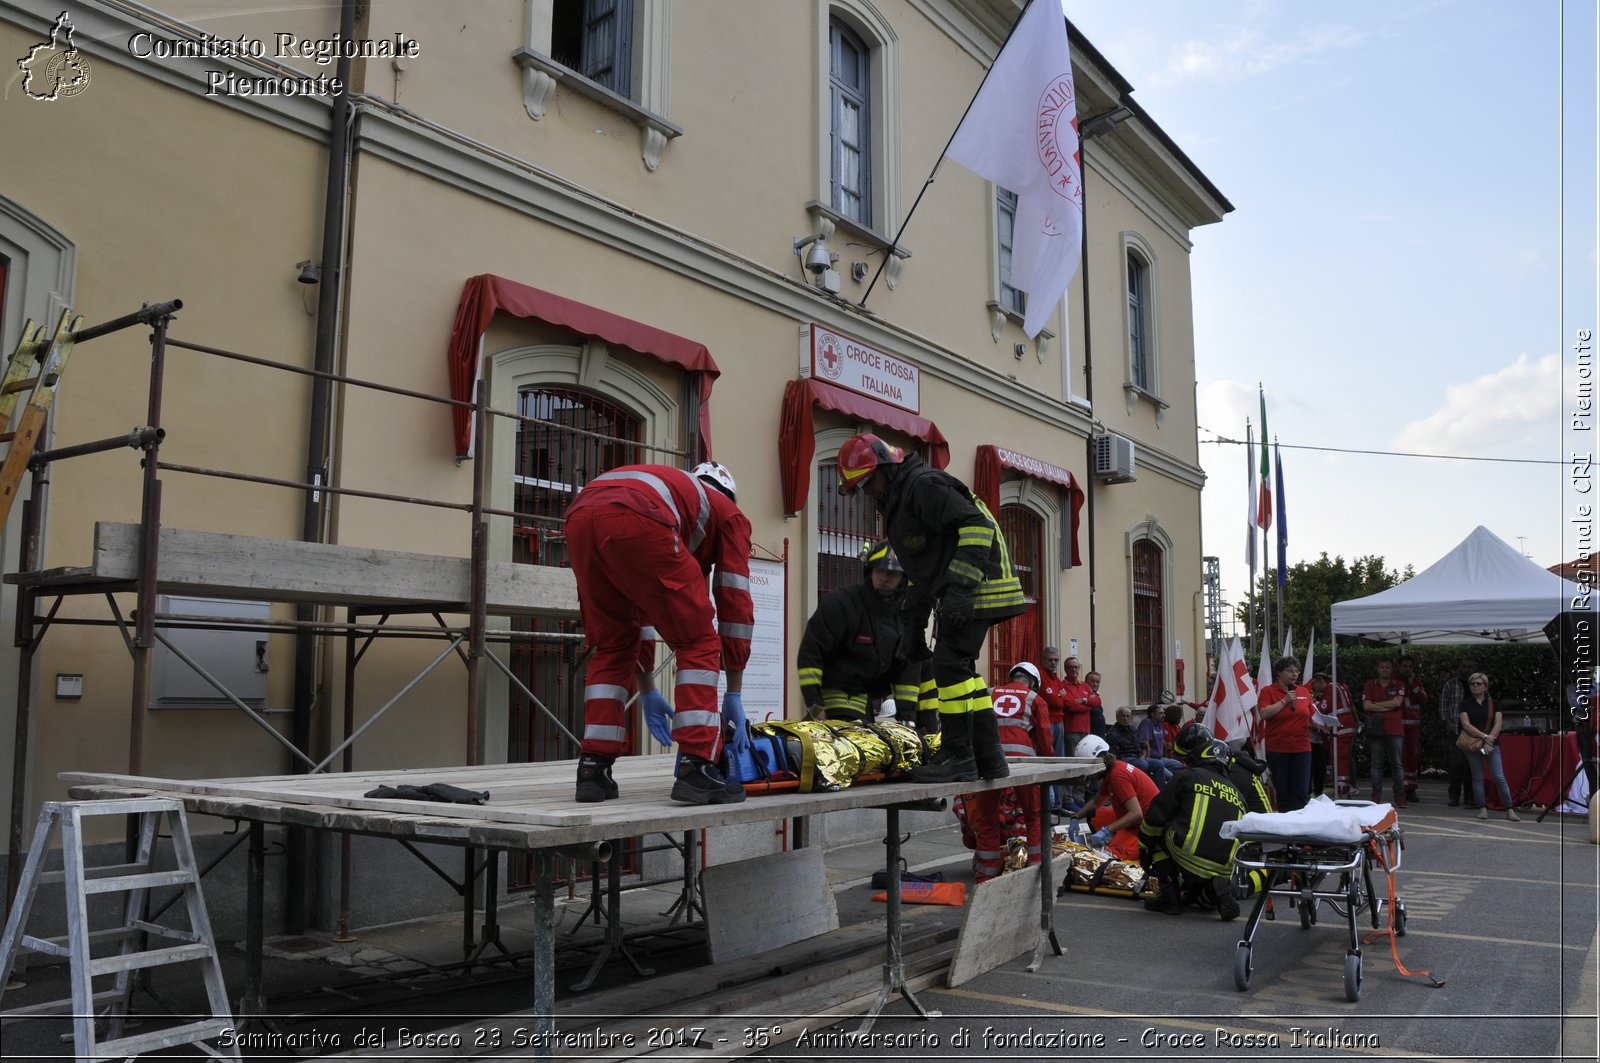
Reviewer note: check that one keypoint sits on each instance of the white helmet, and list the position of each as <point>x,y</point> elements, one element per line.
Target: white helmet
<point>1034,679</point>
<point>717,475</point>
<point>1091,746</point>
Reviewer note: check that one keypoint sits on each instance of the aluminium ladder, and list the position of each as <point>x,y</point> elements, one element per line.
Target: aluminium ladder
<point>135,879</point>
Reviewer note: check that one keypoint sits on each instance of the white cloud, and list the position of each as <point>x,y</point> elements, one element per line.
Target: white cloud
<point>1508,408</point>
<point>1247,53</point>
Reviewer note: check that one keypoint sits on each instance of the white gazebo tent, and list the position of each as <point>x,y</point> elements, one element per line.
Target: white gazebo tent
<point>1482,591</point>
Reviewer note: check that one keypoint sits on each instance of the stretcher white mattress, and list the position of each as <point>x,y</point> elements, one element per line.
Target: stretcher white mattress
<point>1321,822</point>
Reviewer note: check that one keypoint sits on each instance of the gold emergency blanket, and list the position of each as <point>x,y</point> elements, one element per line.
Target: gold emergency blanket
<point>1093,871</point>
<point>832,754</point>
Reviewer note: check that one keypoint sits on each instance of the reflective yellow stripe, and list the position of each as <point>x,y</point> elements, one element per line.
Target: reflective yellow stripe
<point>1197,820</point>
<point>974,535</point>
<point>965,573</point>
<point>810,675</point>
<point>907,693</point>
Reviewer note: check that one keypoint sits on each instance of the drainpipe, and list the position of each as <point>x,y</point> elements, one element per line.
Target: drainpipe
<point>330,289</point>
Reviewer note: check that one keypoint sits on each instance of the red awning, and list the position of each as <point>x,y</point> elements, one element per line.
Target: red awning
<point>486,294</point>
<point>797,440</point>
<point>986,481</point>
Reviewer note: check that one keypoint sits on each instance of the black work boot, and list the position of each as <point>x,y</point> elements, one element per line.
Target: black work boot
<point>1222,896</point>
<point>700,783</point>
<point>953,762</point>
<point>1168,900</point>
<point>986,748</point>
<point>594,779</point>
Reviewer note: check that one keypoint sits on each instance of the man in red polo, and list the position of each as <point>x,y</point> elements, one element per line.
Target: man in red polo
<point>1079,695</point>
<point>1382,699</point>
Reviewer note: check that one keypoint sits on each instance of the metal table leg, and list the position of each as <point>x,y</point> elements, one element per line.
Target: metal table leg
<point>613,941</point>
<point>894,971</point>
<point>544,953</point>
<point>250,1007</point>
<point>1047,899</point>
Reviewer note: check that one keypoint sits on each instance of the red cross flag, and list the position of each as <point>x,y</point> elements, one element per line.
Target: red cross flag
<point>1233,700</point>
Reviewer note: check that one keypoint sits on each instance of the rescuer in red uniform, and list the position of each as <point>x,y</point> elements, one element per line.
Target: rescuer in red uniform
<point>644,541</point>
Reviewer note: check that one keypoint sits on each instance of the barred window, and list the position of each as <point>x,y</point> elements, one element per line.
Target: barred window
<point>844,524</point>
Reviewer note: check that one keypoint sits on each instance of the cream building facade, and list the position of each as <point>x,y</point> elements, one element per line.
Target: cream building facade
<point>627,182</point>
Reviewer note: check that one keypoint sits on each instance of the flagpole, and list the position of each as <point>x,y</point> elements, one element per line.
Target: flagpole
<point>940,160</point>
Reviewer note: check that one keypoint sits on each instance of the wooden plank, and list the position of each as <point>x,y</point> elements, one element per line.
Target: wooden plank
<point>222,565</point>
<point>767,902</point>
<point>1001,923</point>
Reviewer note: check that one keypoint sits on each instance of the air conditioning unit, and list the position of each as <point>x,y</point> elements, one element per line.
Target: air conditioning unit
<point>1113,459</point>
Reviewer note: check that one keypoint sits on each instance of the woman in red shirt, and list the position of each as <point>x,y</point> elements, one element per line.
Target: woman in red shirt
<point>1285,708</point>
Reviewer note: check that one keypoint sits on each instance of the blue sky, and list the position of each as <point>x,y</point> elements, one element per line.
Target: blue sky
<point>1393,274</point>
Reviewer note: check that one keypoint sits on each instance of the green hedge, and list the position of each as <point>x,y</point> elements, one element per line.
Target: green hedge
<point>1519,674</point>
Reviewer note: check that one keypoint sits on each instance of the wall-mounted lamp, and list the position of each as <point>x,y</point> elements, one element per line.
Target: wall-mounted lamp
<point>310,273</point>
<point>1103,122</point>
<point>818,261</point>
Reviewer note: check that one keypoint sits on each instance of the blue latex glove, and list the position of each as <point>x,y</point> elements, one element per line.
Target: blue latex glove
<point>1100,838</point>
<point>733,718</point>
<point>657,716</point>
<point>1075,830</point>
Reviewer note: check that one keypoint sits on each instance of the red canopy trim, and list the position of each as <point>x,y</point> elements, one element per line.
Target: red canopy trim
<point>986,482</point>
<point>797,440</point>
<point>486,295</point>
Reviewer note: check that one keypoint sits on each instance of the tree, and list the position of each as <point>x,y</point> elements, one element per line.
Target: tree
<point>1311,588</point>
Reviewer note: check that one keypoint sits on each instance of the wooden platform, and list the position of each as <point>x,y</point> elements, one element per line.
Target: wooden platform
<point>217,565</point>
<point>531,806</point>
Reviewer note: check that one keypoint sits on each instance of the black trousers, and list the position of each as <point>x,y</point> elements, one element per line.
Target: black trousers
<point>1460,775</point>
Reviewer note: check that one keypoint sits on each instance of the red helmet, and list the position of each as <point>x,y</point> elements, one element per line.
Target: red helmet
<point>860,455</point>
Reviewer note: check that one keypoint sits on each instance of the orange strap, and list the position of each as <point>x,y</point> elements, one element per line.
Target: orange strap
<point>1382,855</point>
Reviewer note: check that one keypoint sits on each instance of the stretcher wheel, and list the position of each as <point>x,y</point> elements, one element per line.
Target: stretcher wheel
<point>1400,918</point>
<point>1241,967</point>
<point>1352,976</point>
<point>1308,914</point>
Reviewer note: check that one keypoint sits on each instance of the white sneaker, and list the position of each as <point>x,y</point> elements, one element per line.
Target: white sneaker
<point>1483,813</point>
<point>1511,814</point>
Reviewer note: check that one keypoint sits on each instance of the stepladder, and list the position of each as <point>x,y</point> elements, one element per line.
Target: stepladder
<point>112,955</point>
<point>34,369</point>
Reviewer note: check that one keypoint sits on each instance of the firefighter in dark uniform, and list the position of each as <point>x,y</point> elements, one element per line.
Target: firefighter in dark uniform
<point>1244,770</point>
<point>955,558</point>
<point>855,651</point>
<point>1181,836</point>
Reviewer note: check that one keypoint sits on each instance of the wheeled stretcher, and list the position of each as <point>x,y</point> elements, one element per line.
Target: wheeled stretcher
<point>1325,853</point>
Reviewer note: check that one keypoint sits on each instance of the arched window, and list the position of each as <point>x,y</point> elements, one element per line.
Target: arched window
<point>1138,322</point>
<point>576,436</point>
<point>1149,620</point>
<point>1021,638</point>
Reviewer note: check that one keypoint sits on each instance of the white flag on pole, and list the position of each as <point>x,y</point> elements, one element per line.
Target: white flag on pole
<point>1022,133</point>
<point>1234,696</point>
<point>1288,642</point>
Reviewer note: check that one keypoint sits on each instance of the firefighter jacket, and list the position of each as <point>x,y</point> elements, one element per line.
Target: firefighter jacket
<point>1186,820</point>
<point>854,648</point>
<point>1247,774</point>
<point>1024,721</point>
<point>709,525</point>
<point>945,536</point>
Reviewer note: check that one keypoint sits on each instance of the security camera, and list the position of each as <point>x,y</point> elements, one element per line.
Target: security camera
<point>818,259</point>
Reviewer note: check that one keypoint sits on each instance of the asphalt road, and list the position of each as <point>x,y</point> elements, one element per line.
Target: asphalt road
<point>1504,914</point>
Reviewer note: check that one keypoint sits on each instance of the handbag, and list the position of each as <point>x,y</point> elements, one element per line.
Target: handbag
<point>1469,743</point>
